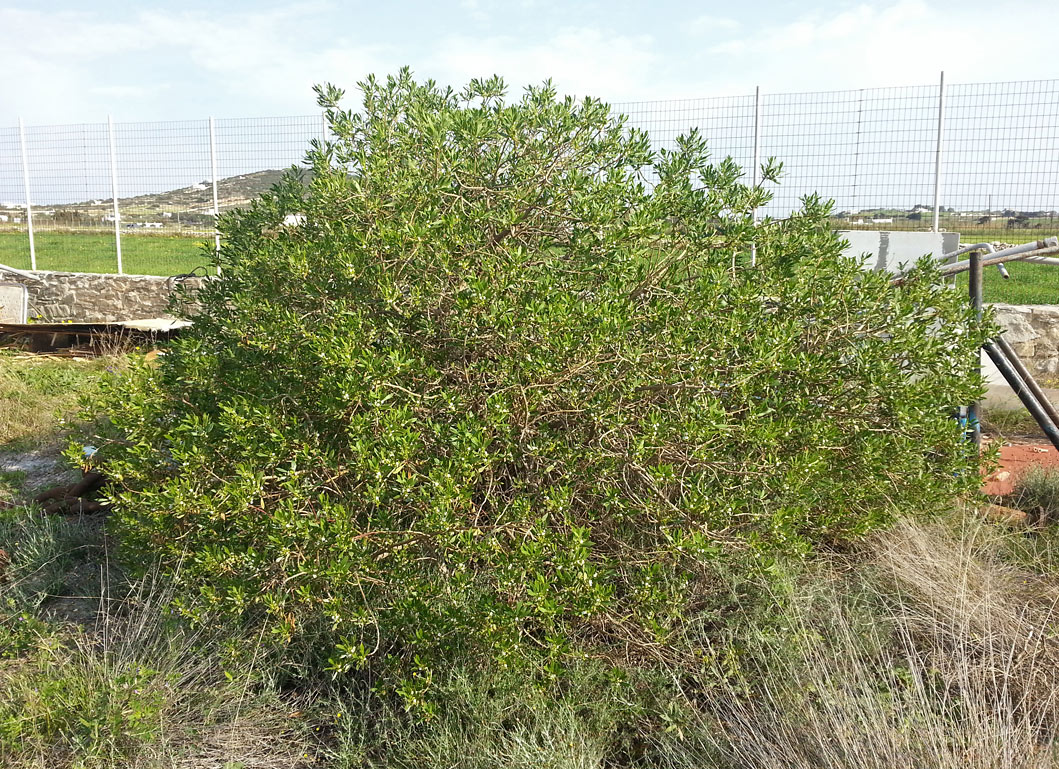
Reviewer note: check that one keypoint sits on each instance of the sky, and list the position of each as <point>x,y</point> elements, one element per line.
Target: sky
<point>70,65</point>
<point>72,62</point>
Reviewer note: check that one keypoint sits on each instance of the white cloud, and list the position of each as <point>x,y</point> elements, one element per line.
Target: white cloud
<point>474,10</point>
<point>69,61</point>
<point>68,66</point>
<point>581,61</point>
<point>710,24</point>
<point>874,45</point>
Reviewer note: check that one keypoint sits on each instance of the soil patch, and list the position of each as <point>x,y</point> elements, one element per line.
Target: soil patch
<point>1016,459</point>
<point>44,468</point>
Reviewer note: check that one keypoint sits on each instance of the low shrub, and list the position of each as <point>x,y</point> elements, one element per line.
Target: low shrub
<point>1037,492</point>
<point>513,391</point>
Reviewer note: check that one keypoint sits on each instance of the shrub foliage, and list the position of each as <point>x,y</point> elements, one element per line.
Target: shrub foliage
<point>511,388</point>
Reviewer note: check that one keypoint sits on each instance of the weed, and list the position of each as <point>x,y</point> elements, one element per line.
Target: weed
<point>1037,492</point>
<point>1008,422</point>
<point>34,390</point>
<point>942,657</point>
<point>11,482</point>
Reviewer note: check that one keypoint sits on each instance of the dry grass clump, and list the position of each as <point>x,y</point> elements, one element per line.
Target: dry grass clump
<point>136,689</point>
<point>958,668</point>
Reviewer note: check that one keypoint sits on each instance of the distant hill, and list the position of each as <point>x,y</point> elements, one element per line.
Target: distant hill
<point>178,209</point>
<point>197,198</point>
<point>231,192</point>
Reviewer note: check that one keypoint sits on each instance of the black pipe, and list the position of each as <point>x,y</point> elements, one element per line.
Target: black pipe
<point>1016,363</point>
<point>1024,394</point>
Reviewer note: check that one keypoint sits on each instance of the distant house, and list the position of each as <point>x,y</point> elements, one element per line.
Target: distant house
<point>4,218</point>
<point>153,225</point>
<point>882,221</point>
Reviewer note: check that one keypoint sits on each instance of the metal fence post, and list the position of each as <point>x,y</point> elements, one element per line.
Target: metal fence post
<point>937,154</point>
<point>29,205</point>
<point>974,286</point>
<point>756,163</point>
<point>216,205</point>
<point>114,192</point>
<point>856,154</point>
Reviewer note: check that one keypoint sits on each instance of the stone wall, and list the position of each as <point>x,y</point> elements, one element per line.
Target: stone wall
<point>83,296</point>
<point>1033,330</point>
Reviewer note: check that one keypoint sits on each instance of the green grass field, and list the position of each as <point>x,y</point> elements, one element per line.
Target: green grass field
<point>95,252</point>
<point>1029,284</point>
<point>172,255</point>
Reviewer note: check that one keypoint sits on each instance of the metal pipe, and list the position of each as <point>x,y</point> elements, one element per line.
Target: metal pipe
<point>1034,251</point>
<point>987,247</point>
<point>975,289</point>
<point>1023,393</point>
<point>29,204</point>
<point>937,154</point>
<point>997,258</point>
<point>20,273</point>
<point>1005,255</point>
<point>1016,363</point>
<point>973,247</point>
<point>1041,260</point>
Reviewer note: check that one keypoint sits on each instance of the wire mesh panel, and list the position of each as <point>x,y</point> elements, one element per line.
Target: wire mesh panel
<point>69,170</point>
<point>14,238</point>
<point>252,154</point>
<point>727,124</point>
<point>165,195</point>
<point>1000,176</point>
<point>871,151</point>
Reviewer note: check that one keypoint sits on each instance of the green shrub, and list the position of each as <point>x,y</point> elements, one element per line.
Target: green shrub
<point>513,389</point>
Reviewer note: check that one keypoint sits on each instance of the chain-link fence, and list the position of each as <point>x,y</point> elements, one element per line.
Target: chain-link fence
<point>979,159</point>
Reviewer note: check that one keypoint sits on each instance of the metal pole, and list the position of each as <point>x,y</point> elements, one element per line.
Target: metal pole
<point>937,153</point>
<point>856,153</point>
<point>114,192</point>
<point>216,206</point>
<point>975,285</point>
<point>757,162</point>
<point>1008,372</point>
<point>1008,351</point>
<point>29,205</point>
